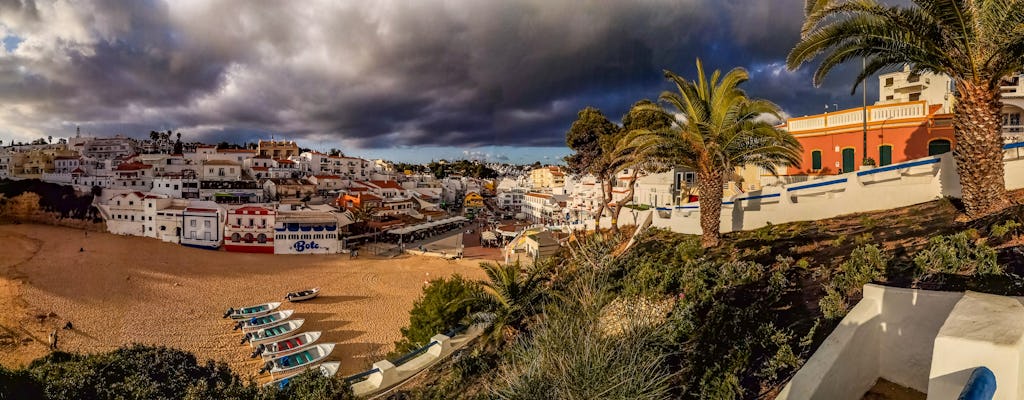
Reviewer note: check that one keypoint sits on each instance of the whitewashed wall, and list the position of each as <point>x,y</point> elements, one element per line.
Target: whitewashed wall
<point>893,186</point>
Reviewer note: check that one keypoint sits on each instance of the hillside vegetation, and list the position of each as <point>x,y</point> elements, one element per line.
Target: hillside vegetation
<point>743,317</point>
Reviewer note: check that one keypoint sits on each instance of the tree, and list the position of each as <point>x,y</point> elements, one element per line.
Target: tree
<point>446,303</point>
<point>178,147</point>
<point>22,206</point>
<point>513,295</point>
<point>49,139</point>
<point>592,137</point>
<point>154,136</point>
<point>975,42</point>
<point>644,117</point>
<point>721,129</point>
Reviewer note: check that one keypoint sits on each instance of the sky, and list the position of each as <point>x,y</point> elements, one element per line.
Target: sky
<point>410,80</point>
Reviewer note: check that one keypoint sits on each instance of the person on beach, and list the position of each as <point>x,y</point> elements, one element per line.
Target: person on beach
<point>53,340</point>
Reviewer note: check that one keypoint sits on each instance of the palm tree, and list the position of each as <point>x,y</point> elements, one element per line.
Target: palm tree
<point>512,294</point>
<point>719,129</point>
<point>975,42</point>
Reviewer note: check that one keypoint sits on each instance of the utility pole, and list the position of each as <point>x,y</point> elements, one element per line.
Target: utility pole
<point>864,113</point>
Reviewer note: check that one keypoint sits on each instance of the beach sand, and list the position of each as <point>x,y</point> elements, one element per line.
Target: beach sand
<point>124,289</point>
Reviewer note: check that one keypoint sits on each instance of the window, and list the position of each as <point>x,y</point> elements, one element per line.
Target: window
<point>915,96</point>
<point>192,223</point>
<point>238,222</point>
<point>939,146</point>
<point>888,82</point>
<point>816,160</point>
<point>888,97</point>
<point>884,155</point>
<point>206,224</point>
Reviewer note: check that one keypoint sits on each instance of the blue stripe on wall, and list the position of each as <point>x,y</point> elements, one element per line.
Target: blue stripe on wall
<point>814,185</point>
<point>898,166</point>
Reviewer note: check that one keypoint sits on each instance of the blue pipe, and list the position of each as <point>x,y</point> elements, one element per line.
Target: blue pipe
<point>980,386</point>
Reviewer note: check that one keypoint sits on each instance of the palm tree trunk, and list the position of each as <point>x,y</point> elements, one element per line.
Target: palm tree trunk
<point>611,210</point>
<point>601,206</point>
<point>979,149</point>
<point>709,188</point>
<point>625,200</point>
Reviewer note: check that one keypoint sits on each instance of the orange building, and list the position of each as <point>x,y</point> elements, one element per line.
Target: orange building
<point>833,143</point>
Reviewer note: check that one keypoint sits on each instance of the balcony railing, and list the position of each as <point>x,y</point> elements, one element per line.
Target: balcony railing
<point>854,116</point>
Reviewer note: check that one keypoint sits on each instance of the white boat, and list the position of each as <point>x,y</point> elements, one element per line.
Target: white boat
<point>258,310</point>
<point>328,369</point>
<point>255,323</point>
<point>279,330</point>
<point>286,346</point>
<point>305,358</point>
<point>302,295</point>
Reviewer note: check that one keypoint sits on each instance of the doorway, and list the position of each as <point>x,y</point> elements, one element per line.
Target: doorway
<point>848,160</point>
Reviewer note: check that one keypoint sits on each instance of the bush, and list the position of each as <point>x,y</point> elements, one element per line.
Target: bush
<point>1009,227</point>
<point>959,254</point>
<point>569,356</point>
<point>445,304</point>
<point>311,385</point>
<point>140,372</point>
<point>656,270</point>
<point>866,264</point>
<point>146,372</point>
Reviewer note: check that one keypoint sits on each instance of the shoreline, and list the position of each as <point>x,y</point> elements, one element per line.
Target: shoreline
<point>127,289</point>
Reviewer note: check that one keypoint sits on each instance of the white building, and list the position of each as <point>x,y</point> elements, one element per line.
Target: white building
<point>177,186</point>
<point>109,148</point>
<point>327,183</point>
<point>904,86</point>
<point>220,170</point>
<point>1013,107</point>
<point>126,214</point>
<point>202,225</point>
<point>306,232</point>
<point>544,208</point>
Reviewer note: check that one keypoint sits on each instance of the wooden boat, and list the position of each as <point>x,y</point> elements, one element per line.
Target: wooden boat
<point>302,295</point>
<point>255,323</point>
<point>286,346</point>
<point>278,330</point>
<point>258,310</point>
<point>305,358</point>
<point>328,369</point>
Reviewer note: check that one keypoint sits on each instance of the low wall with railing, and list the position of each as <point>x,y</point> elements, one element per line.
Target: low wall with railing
<point>892,186</point>
<point>386,374</point>
<point>929,341</point>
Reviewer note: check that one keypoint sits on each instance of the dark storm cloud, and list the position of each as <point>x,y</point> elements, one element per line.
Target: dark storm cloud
<point>377,74</point>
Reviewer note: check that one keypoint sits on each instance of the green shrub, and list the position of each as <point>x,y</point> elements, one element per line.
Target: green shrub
<point>569,356</point>
<point>312,385</point>
<point>1001,230</point>
<point>866,264</point>
<point>958,254</point>
<point>446,303</point>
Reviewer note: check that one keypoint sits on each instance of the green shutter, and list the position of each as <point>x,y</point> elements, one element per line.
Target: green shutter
<point>884,155</point>
<point>849,160</point>
<point>816,160</point>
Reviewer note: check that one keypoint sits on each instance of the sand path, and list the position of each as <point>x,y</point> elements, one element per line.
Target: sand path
<point>124,289</point>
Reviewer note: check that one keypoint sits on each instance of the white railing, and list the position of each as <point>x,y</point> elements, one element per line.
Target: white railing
<point>854,116</point>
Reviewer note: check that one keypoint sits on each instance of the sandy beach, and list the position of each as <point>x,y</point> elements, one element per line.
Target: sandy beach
<point>123,290</point>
